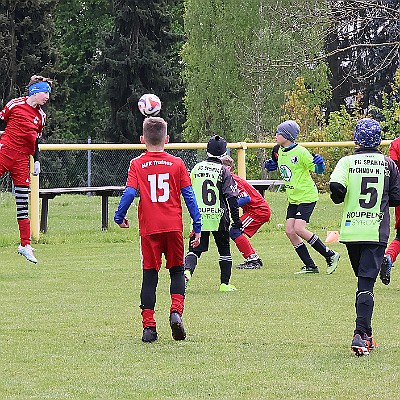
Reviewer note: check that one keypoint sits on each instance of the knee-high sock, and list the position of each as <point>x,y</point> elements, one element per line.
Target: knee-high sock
<point>177,289</point>
<point>22,203</point>
<point>364,305</point>
<point>317,244</point>
<point>394,249</point>
<point>225,264</point>
<point>302,252</point>
<point>148,296</point>
<point>244,246</point>
<point>191,261</point>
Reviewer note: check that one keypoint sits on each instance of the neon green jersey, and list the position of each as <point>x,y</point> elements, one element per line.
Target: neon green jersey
<point>295,166</point>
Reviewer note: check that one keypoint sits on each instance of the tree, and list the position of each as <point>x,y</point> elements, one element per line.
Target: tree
<point>363,50</point>
<point>79,28</point>
<point>139,56</point>
<point>26,29</point>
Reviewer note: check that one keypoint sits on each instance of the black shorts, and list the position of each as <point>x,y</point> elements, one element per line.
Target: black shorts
<point>365,258</point>
<point>221,238</point>
<point>300,211</point>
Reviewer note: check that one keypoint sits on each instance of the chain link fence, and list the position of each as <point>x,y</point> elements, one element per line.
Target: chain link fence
<point>76,168</point>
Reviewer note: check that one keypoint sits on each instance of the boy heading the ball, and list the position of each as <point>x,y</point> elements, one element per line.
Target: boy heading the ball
<point>161,179</point>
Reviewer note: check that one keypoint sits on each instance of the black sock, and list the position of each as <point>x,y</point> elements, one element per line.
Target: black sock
<point>302,251</point>
<point>317,244</point>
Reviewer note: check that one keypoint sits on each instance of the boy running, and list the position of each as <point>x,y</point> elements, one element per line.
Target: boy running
<point>295,163</point>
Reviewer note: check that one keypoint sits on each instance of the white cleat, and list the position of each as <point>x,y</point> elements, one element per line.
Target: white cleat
<point>27,252</point>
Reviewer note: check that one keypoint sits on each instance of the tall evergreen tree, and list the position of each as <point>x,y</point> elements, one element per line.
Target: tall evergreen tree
<point>26,29</point>
<point>141,56</point>
<point>79,29</point>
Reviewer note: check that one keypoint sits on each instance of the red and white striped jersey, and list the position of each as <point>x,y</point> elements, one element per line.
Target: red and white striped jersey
<point>24,125</point>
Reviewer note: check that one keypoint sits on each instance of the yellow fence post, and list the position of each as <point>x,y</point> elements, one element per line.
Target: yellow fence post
<point>241,168</point>
<point>34,206</point>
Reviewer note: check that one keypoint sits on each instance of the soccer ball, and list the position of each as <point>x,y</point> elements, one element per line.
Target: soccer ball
<point>149,105</point>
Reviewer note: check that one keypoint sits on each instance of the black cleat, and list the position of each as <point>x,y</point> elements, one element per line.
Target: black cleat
<point>251,264</point>
<point>149,334</point>
<point>178,331</point>
<point>360,346</point>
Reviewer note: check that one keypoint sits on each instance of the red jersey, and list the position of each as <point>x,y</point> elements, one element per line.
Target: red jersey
<point>257,203</point>
<point>394,150</point>
<point>24,125</point>
<point>159,176</point>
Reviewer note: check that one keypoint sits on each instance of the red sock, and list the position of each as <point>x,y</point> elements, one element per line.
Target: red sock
<point>24,231</point>
<point>177,303</point>
<point>148,318</point>
<point>244,246</point>
<point>394,249</point>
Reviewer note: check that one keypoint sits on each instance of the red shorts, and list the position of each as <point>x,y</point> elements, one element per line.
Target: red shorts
<point>18,165</point>
<point>252,222</point>
<point>152,247</point>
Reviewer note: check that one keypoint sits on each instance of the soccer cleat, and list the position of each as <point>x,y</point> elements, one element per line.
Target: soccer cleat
<point>149,334</point>
<point>178,331</point>
<point>27,252</point>
<point>371,341</point>
<point>250,264</point>
<point>386,268</point>
<point>188,277</point>
<point>332,263</point>
<point>308,270</point>
<point>360,346</point>
<point>223,287</point>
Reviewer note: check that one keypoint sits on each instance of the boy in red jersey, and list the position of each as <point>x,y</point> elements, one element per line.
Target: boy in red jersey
<point>25,120</point>
<point>256,212</point>
<point>161,179</point>
<point>393,249</point>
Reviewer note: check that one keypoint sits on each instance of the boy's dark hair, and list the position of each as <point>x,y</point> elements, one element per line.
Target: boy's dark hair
<point>154,130</point>
<point>228,161</point>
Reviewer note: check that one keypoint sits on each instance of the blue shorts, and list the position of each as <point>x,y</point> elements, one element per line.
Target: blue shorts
<point>300,211</point>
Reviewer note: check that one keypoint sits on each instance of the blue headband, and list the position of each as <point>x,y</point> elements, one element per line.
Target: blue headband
<point>39,87</point>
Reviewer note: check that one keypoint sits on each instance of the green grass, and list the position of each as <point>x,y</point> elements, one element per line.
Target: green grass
<point>70,327</point>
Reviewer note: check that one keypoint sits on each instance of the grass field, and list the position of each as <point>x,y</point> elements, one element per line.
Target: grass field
<point>70,327</point>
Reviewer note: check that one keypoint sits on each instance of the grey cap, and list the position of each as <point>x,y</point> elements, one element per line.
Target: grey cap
<point>289,130</point>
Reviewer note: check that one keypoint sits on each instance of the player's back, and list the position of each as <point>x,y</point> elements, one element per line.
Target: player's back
<point>159,177</point>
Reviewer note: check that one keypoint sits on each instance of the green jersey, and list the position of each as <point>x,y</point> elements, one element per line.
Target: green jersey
<point>294,166</point>
<point>371,184</point>
<point>213,184</point>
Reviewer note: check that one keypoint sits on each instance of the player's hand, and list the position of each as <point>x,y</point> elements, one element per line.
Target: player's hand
<point>196,239</point>
<point>36,168</point>
<point>271,165</point>
<point>237,224</point>
<point>318,159</point>
<point>124,224</point>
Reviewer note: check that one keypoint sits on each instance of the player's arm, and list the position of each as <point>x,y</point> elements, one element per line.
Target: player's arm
<point>339,180</point>
<point>192,206</point>
<point>234,207</point>
<point>126,200</point>
<point>243,200</point>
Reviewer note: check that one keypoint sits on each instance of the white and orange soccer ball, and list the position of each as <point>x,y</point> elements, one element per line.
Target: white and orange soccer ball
<point>149,105</point>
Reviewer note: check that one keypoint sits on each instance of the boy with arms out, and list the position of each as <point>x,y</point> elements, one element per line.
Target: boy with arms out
<point>161,179</point>
<point>256,212</point>
<point>216,194</point>
<point>25,120</point>
<point>368,183</point>
<point>295,163</point>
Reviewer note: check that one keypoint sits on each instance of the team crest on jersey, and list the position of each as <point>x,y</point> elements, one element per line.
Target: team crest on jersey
<point>36,120</point>
<point>294,160</point>
<point>285,172</point>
